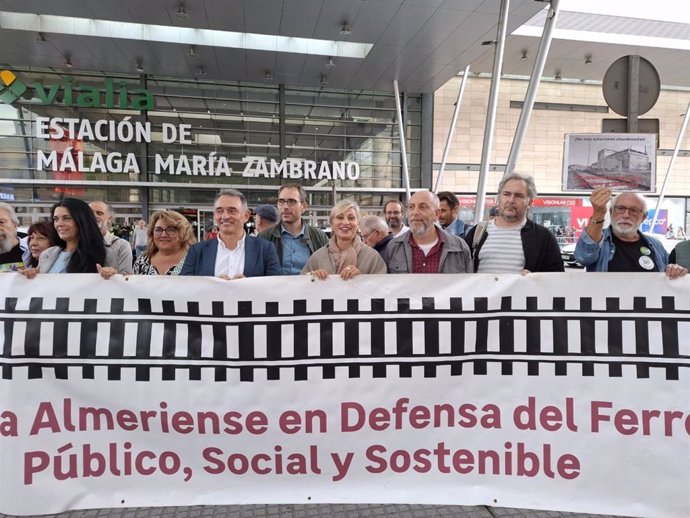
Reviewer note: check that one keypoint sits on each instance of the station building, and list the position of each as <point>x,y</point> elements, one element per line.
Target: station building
<point>157,106</point>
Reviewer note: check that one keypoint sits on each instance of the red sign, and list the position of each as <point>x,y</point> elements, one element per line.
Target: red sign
<point>579,216</point>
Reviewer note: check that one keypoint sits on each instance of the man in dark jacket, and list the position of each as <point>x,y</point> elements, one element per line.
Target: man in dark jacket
<point>375,233</point>
<point>233,254</point>
<point>512,243</point>
<point>294,239</point>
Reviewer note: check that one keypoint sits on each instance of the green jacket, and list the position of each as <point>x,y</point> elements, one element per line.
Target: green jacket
<point>314,237</point>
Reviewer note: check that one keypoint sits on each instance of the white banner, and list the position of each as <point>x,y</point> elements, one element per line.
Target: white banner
<point>567,392</point>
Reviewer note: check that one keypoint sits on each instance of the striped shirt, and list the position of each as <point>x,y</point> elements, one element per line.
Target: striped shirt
<point>502,251</point>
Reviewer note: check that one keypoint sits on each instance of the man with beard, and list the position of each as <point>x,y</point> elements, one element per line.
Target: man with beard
<point>293,238</point>
<point>621,247</point>
<point>427,248</point>
<point>393,212</point>
<point>10,250</point>
<point>511,242</point>
<point>119,248</point>
<point>450,209</point>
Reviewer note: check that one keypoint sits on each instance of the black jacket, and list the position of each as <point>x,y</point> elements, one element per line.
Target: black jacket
<point>542,253</point>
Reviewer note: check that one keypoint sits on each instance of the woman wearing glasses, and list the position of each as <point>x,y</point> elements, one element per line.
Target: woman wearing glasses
<point>169,237</point>
<point>345,254</point>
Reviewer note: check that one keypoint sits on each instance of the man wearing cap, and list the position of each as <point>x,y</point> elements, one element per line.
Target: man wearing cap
<point>265,216</point>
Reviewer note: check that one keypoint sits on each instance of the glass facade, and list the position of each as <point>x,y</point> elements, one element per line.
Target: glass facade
<point>237,124</point>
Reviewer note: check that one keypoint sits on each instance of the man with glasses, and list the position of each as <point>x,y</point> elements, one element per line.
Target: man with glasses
<point>233,255</point>
<point>375,233</point>
<point>393,212</point>
<point>621,247</point>
<point>294,239</point>
<point>119,248</point>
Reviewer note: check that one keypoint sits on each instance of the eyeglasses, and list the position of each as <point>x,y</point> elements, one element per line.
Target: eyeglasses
<point>291,202</point>
<point>621,209</point>
<point>169,231</point>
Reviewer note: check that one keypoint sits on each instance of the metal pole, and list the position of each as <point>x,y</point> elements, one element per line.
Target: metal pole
<point>530,96</point>
<point>681,135</point>
<point>403,149</point>
<point>451,130</point>
<point>491,114</point>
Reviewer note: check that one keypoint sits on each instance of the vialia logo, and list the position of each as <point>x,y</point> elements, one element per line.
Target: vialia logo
<point>11,88</point>
<point>79,95</point>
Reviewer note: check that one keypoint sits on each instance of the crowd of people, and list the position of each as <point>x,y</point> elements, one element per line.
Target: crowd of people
<point>78,239</point>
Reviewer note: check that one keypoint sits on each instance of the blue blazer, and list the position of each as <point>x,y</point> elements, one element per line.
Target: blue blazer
<point>260,258</point>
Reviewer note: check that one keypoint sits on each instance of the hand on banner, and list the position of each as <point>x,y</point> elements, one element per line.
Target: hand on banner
<point>29,273</point>
<point>229,278</point>
<point>320,274</point>
<point>349,272</point>
<point>106,271</point>
<point>674,271</point>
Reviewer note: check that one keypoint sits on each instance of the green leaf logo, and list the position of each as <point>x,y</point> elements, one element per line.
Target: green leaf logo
<point>11,88</point>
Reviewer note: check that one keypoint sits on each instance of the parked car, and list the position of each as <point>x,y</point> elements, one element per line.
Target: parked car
<point>568,256</point>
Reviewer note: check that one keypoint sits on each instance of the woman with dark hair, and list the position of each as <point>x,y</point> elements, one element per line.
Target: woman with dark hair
<point>79,244</point>
<point>41,236</point>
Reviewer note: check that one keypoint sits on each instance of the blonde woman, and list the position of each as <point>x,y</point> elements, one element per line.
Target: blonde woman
<point>169,237</point>
<point>345,254</point>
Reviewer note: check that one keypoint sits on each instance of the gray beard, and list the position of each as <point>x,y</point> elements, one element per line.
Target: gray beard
<point>624,232</point>
<point>5,244</point>
<point>419,229</point>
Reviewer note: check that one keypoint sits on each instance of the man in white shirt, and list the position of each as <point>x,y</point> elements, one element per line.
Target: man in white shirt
<point>511,242</point>
<point>233,255</point>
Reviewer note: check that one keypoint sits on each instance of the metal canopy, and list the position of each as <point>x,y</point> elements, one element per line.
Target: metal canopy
<point>420,43</point>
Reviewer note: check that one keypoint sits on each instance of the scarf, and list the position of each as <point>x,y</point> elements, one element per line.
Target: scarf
<point>342,258</point>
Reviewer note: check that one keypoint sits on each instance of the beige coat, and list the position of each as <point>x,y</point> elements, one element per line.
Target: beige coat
<point>368,261</point>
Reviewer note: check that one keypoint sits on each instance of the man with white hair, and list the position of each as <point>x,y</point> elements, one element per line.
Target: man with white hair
<point>621,247</point>
<point>375,233</point>
<point>10,249</point>
<point>427,248</point>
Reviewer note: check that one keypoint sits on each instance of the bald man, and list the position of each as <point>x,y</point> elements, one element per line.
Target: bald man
<point>427,248</point>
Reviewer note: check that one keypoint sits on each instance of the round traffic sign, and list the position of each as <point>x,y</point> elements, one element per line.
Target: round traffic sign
<point>615,86</point>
